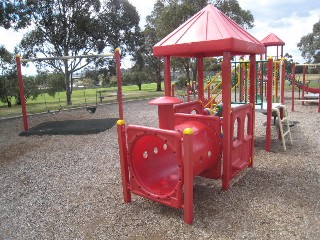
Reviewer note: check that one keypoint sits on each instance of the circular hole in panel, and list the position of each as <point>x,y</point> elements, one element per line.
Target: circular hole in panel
<point>145,154</point>
<point>155,150</point>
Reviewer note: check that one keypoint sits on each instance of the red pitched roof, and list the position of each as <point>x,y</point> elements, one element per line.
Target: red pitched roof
<point>272,40</point>
<point>208,33</point>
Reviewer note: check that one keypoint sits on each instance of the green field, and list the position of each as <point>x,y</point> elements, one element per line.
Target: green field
<point>89,97</point>
<point>80,98</point>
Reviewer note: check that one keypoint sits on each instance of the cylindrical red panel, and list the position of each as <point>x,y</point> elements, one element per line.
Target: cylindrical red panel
<point>155,163</point>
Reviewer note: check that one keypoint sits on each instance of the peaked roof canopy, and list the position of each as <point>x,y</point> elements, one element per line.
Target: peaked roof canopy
<point>208,33</point>
<point>272,40</point>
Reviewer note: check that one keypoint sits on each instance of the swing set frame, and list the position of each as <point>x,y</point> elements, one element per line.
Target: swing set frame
<point>19,60</point>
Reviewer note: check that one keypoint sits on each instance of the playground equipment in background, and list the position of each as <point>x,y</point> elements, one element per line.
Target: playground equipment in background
<point>270,80</point>
<point>273,40</point>
<point>308,94</point>
<point>160,163</point>
<point>90,109</point>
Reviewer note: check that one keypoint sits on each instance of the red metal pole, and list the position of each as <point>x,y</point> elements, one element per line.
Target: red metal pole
<point>292,85</point>
<point>276,82</point>
<point>226,99</point>
<point>265,56</point>
<point>167,77</point>
<point>303,83</point>
<point>269,104</point>
<point>319,93</point>
<point>123,160</point>
<point>119,93</point>
<point>200,80</point>
<point>252,100</point>
<point>22,98</point>
<point>242,69</point>
<point>282,80</point>
<point>188,175</point>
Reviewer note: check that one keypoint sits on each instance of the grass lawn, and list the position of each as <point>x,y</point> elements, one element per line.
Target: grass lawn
<point>80,98</point>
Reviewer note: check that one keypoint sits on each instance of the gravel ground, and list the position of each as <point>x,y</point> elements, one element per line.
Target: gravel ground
<point>68,187</point>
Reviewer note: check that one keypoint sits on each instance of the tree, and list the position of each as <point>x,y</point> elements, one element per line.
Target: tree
<point>51,83</point>
<point>309,45</point>
<point>15,14</point>
<point>233,10</point>
<point>167,15</point>
<point>8,80</point>
<point>6,76</point>
<point>79,27</point>
<point>153,65</point>
<point>136,78</point>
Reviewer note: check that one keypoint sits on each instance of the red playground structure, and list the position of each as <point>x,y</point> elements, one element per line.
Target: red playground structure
<point>160,163</point>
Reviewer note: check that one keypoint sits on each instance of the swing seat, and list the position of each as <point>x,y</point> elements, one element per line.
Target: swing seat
<point>91,109</point>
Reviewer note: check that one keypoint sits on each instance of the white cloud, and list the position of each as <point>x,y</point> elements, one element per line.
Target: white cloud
<point>288,19</point>
<point>144,8</point>
<point>290,26</point>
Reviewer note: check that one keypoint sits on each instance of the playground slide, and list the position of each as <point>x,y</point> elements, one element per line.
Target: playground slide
<point>309,89</point>
<point>305,88</point>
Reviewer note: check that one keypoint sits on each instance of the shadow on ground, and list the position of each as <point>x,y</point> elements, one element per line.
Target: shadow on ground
<point>71,127</point>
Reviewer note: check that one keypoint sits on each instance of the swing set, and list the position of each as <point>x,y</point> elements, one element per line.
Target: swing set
<point>19,60</point>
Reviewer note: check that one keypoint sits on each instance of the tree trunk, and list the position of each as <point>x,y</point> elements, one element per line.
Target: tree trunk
<point>67,82</point>
<point>158,73</point>
<point>9,103</point>
<point>139,86</point>
<point>186,65</point>
<point>195,71</point>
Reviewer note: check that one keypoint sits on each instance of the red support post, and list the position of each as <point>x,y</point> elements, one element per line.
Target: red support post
<point>226,99</point>
<point>293,85</point>
<point>200,79</point>
<point>276,80</point>
<point>266,54</point>
<point>269,104</point>
<point>188,175</point>
<point>119,82</point>
<point>252,90</point>
<point>167,77</point>
<point>22,98</point>
<point>303,83</point>
<point>123,160</point>
<point>282,79</point>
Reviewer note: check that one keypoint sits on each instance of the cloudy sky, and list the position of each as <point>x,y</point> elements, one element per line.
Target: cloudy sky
<point>288,19</point>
